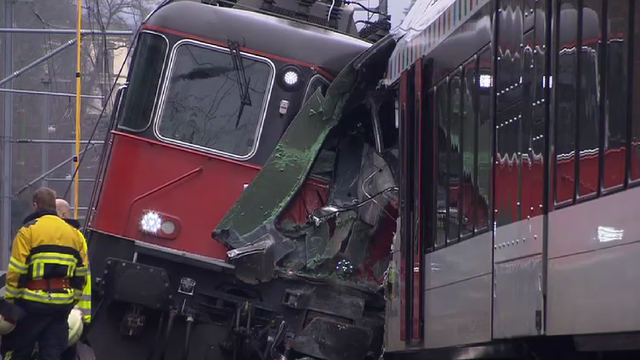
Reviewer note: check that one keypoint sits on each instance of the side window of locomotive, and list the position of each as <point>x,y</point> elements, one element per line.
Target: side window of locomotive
<point>214,103</point>
<point>144,80</point>
<point>315,83</point>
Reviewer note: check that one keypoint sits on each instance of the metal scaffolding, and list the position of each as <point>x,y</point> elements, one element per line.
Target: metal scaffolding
<point>7,162</point>
<point>7,89</point>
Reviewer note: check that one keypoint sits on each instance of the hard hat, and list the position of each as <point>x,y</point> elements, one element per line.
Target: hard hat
<point>6,326</point>
<point>76,326</point>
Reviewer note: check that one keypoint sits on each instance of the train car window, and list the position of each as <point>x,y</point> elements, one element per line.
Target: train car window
<point>531,182</point>
<point>529,13</point>
<point>455,157</point>
<point>538,109</point>
<point>508,169</point>
<point>566,108</point>
<point>144,81</point>
<point>539,50</point>
<point>442,177</point>
<point>316,82</point>
<point>212,105</point>
<point>616,98</point>
<point>428,175</point>
<point>589,98</point>
<point>509,79</point>
<point>468,139</point>
<point>485,140</point>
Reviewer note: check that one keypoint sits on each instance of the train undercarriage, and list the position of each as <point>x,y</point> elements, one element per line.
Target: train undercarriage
<point>165,309</point>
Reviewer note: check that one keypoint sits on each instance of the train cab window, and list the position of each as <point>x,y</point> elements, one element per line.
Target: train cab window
<point>214,103</point>
<point>144,81</point>
<point>315,83</point>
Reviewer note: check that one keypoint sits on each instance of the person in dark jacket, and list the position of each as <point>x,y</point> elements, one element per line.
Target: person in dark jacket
<point>46,277</point>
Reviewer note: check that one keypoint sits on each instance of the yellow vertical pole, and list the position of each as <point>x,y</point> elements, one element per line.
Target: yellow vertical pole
<point>78,110</point>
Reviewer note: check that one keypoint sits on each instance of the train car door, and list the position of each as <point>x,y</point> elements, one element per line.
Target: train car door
<point>416,158</point>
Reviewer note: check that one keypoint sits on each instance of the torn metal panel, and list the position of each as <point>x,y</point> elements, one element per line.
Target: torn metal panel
<point>392,157</point>
<point>297,260</point>
<point>331,340</point>
<point>285,170</point>
<point>375,177</point>
<point>310,197</point>
<point>288,166</point>
<point>344,188</point>
<point>316,243</point>
<point>328,302</point>
<point>256,261</point>
<point>265,241</point>
<point>344,224</point>
<point>358,247</point>
<point>324,163</point>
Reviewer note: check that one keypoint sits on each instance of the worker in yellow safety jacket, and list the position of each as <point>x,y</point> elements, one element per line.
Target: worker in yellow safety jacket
<point>46,278</point>
<point>84,305</point>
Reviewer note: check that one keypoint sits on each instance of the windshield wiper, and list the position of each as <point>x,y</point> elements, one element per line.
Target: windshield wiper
<point>243,83</point>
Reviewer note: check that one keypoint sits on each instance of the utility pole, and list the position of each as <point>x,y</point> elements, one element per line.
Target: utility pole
<point>7,163</point>
<point>44,132</point>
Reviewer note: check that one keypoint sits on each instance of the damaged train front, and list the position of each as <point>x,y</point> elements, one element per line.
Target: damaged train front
<point>321,281</point>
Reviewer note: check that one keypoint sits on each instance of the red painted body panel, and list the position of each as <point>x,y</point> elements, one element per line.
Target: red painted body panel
<point>404,291</point>
<point>417,250</point>
<point>196,188</point>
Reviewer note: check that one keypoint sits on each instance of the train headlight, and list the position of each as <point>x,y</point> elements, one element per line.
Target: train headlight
<point>168,227</point>
<point>290,77</point>
<point>151,222</point>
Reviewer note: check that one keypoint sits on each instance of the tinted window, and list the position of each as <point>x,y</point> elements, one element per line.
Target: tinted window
<point>205,104</point>
<point>616,93</point>
<point>468,135</point>
<point>485,139</point>
<point>589,98</point>
<point>143,82</point>
<point>455,157</point>
<point>565,131</point>
<point>442,178</point>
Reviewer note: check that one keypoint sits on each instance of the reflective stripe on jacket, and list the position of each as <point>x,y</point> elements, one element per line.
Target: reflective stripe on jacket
<point>46,247</point>
<point>84,304</point>
<point>85,301</point>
